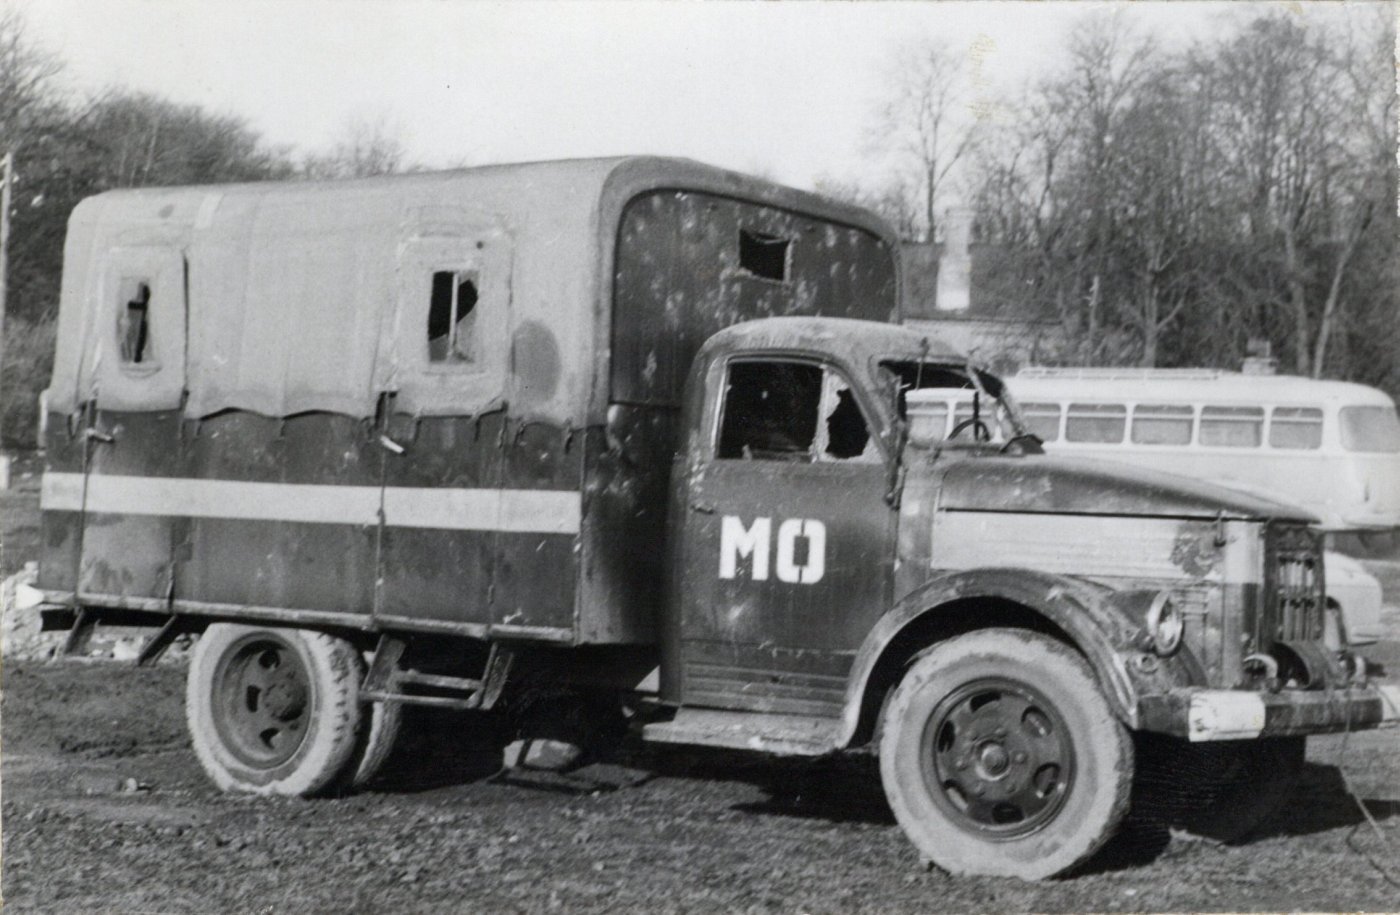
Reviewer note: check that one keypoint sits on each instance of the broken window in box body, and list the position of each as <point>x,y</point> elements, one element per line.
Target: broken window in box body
<point>791,411</point>
<point>133,321</point>
<point>447,353</point>
<point>764,255</point>
<point>452,316</point>
<point>134,334</point>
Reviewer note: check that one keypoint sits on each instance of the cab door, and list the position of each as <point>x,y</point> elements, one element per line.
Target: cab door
<point>788,539</point>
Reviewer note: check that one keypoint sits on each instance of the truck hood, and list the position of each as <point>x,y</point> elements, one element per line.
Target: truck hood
<point>1036,483</point>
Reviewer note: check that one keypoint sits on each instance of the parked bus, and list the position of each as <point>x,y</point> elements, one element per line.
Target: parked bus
<point>1330,447</point>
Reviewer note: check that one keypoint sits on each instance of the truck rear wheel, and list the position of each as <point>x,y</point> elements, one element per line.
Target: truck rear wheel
<point>274,711</point>
<point>1000,756</point>
<point>380,736</point>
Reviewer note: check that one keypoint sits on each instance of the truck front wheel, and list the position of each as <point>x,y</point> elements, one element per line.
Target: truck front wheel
<point>274,711</point>
<point>1000,756</point>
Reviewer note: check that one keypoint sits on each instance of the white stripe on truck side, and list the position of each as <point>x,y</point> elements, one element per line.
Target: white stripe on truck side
<point>532,511</point>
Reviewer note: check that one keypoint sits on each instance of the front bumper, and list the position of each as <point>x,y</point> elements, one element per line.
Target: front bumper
<point>1230,714</point>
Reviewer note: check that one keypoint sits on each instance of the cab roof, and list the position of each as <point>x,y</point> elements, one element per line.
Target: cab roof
<point>852,340</point>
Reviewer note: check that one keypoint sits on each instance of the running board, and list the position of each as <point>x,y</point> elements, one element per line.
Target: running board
<point>784,735</point>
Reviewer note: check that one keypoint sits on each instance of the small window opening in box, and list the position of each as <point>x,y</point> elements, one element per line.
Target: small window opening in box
<point>452,317</point>
<point>764,255</point>
<point>133,322</point>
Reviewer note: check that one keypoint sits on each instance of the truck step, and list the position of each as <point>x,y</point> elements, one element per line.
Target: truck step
<point>410,699</point>
<point>785,735</point>
<point>387,680</point>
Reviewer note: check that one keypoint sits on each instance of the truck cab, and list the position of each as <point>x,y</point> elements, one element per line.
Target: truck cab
<point>996,622</point>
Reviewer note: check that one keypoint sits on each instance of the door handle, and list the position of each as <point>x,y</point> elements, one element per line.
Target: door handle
<point>702,507</point>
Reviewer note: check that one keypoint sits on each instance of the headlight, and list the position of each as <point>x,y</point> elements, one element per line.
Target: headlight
<point>1165,624</point>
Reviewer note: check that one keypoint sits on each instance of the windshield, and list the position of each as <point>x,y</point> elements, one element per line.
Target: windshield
<point>1375,429</point>
<point>968,393</point>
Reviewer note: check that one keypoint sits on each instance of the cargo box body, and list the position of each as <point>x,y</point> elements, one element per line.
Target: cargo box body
<point>438,402</point>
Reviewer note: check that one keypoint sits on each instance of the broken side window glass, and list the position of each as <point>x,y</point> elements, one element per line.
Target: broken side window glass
<point>844,434</point>
<point>452,317</point>
<point>133,321</point>
<point>770,411</point>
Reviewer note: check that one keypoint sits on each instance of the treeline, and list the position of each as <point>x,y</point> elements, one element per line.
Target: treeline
<point>68,148</point>
<point>1166,208</point>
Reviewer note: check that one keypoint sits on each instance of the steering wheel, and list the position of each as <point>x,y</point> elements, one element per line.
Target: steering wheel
<point>1021,441</point>
<point>980,432</point>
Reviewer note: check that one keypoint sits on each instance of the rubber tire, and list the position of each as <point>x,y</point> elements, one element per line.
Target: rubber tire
<point>334,671</point>
<point>1238,786</point>
<point>376,743</point>
<point>1097,801</point>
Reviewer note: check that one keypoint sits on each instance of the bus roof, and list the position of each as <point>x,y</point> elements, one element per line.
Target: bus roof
<point>1119,385</point>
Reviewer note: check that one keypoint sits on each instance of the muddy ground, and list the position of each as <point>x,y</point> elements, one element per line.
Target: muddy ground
<point>105,809</point>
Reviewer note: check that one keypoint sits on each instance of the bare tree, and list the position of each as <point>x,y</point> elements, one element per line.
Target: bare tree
<point>26,78</point>
<point>367,146</point>
<point>927,125</point>
<point>892,200</point>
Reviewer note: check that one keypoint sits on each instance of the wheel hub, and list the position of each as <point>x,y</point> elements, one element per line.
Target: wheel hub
<point>999,757</point>
<point>262,701</point>
<point>993,761</point>
<point>285,700</point>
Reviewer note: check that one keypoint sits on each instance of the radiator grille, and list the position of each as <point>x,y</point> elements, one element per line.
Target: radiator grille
<point>1294,594</point>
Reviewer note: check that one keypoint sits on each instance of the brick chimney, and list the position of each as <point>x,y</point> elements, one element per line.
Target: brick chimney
<point>955,264</point>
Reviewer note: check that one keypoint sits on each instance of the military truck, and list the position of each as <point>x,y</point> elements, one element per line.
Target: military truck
<point>636,428</point>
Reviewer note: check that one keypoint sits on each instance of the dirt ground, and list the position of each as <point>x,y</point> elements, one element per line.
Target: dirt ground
<point>105,809</point>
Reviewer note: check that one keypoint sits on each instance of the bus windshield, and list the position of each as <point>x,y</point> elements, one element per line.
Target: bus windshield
<point>1373,429</point>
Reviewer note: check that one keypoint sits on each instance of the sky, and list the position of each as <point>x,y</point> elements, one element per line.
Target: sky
<point>787,90</point>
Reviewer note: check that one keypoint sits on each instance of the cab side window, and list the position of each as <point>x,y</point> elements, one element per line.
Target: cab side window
<point>780,410</point>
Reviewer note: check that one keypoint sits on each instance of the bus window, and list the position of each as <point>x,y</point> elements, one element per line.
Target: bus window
<point>1296,428</point>
<point>928,423</point>
<point>1162,424</point>
<point>1042,419</point>
<point>1232,427</point>
<point>994,419</point>
<point>1095,422</point>
<point>1374,429</point>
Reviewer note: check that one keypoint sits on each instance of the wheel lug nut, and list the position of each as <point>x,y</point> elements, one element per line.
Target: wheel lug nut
<point>1019,756</point>
<point>1001,732</point>
<point>979,791</point>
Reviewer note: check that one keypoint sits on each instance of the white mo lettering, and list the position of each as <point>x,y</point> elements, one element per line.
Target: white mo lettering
<point>736,542</point>
<point>810,572</point>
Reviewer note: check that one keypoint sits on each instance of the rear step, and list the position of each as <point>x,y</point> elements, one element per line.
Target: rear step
<point>785,735</point>
<point>386,681</point>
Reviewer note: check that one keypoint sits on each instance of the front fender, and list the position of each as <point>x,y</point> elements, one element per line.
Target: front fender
<point>1104,625</point>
